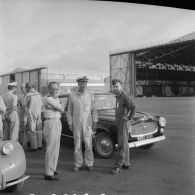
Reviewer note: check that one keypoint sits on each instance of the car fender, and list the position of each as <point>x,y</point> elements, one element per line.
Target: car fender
<point>101,128</point>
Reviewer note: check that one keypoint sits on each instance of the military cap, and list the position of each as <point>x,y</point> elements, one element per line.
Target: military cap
<point>82,79</point>
<point>12,84</point>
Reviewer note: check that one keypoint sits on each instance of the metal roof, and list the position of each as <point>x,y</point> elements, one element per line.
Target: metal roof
<point>177,51</point>
<point>161,43</point>
<point>21,70</point>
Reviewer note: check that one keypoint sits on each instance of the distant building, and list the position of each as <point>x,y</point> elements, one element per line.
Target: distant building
<point>40,78</point>
<point>20,75</point>
<point>67,81</point>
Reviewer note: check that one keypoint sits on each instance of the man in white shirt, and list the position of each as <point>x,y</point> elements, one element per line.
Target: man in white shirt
<point>11,126</point>
<point>52,130</point>
<point>2,112</point>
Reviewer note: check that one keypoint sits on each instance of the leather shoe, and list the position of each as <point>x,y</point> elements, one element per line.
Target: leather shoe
<point>90,168</point>
<point>116,170</point>
<point>56,173</point>
<point>51,178</point>
<point>76,169</point>
<point>125,167</point>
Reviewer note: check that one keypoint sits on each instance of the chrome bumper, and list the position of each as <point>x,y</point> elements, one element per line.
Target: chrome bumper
<point>146,141</point>
<point>4,185</point>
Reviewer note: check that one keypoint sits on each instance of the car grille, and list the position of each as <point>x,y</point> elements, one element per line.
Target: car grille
<point>144,129</point>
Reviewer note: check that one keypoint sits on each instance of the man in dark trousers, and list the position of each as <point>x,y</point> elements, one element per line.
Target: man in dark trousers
<point>125,109</point>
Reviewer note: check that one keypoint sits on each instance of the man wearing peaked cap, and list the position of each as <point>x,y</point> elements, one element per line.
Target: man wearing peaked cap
<point>82,118</point>
<point>11,127</point>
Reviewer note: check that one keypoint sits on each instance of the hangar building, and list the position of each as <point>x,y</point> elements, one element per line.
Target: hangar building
<point>164,69</point>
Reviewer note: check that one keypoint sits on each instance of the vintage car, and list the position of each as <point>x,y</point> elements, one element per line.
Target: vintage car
<point>146,129</point>
<point>12,166</point>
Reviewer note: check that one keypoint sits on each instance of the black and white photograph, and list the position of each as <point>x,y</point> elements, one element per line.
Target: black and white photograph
<point>97,97</point>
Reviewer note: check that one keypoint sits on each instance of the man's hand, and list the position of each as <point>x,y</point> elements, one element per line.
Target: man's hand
<point>48,107</point>
<point>25,120</point>
<point>70,127</point>
<point>125,118</point>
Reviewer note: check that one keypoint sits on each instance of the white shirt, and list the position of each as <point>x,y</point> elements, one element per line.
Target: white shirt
<point>11,101</point>
<point>49,103</point>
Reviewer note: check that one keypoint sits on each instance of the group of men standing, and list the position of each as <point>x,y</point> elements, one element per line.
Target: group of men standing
<point>20,110</point>
<point>82,119</point>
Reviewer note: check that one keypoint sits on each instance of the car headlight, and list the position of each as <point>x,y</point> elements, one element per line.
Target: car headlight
<point>162,121</point>
<point>162,130</point>
<point>7,148</point>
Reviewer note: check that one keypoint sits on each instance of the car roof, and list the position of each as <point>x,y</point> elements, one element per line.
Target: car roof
<point>95,93</point>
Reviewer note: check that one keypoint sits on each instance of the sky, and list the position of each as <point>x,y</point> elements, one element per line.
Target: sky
<point>76,36</point>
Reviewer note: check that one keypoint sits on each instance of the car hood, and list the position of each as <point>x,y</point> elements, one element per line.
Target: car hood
<point>109,115</point>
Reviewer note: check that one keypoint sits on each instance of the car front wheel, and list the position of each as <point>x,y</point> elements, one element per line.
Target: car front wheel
<point>103,145</point>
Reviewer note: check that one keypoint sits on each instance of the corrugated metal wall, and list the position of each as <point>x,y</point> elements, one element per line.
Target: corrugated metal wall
<point>25,77</point>
<point>32,76</point>
<point>18,78</point>
<point>34,79</point>
<point>122,66</point>
<point>4,81</point>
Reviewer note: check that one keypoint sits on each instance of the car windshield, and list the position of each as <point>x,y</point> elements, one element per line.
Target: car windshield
<point>105,101</point>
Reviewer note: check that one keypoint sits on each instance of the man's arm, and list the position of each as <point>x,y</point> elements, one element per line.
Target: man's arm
<point>26,100</point>
<point>14,103</point>
<point>52,105</point>
<point>2,106</point>
<point>93,109</point>
<point>131,107</point>
<point>70,112</point>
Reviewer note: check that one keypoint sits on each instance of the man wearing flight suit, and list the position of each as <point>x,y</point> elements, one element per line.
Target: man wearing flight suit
<point>82,118</point>
<point>2,112</point>
<point>22,116</point>
<point>52,130</point>
<point>11,124</point>
<point>33,104</point>
<point>125,109</point>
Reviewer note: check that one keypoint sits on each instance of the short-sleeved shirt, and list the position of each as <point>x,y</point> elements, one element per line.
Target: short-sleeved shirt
<point>47,101</point>
<point>11,101</point>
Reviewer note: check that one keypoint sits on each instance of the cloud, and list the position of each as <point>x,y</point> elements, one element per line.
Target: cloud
<point>75,36</point>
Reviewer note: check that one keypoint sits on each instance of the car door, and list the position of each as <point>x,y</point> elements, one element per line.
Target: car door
<point>65,128</point>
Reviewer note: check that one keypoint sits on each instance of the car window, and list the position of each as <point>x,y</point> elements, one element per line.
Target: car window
<point>105,101</point>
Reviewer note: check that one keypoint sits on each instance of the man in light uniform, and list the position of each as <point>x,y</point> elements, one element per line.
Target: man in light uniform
<point>22,116</point>
<point>52,130</point>
<point>82,117</point>
<point>11,125</point>
<point>2,112</point>
<point>33,104</point>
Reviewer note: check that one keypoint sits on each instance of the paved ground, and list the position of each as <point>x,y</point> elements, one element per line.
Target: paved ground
<point>166,169</point>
